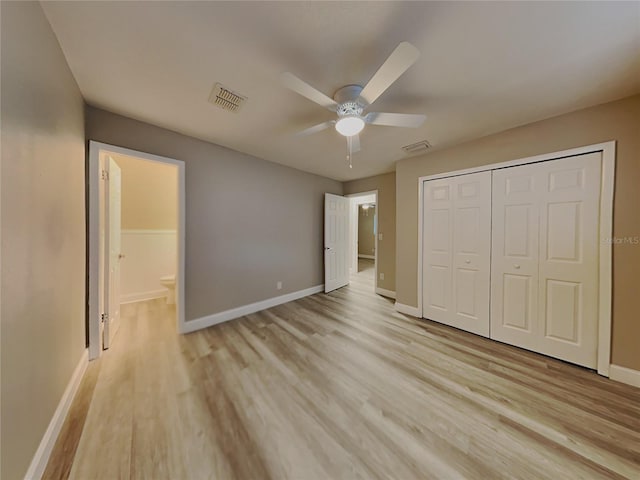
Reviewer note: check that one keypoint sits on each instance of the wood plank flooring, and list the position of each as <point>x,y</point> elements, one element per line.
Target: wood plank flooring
<point>339,386</point>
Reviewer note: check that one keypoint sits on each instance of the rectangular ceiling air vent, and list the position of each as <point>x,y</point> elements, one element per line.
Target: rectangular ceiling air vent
<point>224,98</point>
<point>417,148</point>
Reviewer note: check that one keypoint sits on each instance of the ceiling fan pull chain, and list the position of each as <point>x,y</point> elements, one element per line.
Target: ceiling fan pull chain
<point>349,151</point>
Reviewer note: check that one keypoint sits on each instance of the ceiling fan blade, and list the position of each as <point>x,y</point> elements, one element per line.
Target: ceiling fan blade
<point>398,62</point>
<point>395,119</point>
<point>355,143</point>
<point>303,88</point>
<point>316,128</point>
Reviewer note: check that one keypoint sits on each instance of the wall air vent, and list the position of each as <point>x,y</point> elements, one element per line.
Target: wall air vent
<point>224,98</point>
<point>417,148</point>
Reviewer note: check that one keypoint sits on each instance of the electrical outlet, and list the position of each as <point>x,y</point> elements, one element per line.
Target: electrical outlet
<point>381,276</point>
<point>379,236</point>
<point>279,285</point>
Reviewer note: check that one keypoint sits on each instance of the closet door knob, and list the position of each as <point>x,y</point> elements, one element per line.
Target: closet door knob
<point>467,261</point>
<point>516,266</point>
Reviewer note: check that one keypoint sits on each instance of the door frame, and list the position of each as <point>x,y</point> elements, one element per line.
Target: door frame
<point>93,238</point>
<point>605,279</point>
<point>353,230</point>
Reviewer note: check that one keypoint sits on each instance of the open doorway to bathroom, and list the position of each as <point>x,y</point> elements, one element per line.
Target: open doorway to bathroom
<point>136,243</point>
<point>363,236</point>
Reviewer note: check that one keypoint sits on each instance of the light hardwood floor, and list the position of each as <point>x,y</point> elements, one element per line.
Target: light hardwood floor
<point>339,386</point>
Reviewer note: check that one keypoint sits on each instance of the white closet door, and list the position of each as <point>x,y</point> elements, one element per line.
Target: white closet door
<point>457,246</point>
<point>437,247</point>
<point>545,257</point>
<point>569,259</point>
<point>514,257</point>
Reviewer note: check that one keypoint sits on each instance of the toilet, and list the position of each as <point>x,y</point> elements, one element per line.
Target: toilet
<point>169,282</point>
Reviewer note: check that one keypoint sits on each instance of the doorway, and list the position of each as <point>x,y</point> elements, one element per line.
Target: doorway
<point>363,238</point>
<point>136,220</point>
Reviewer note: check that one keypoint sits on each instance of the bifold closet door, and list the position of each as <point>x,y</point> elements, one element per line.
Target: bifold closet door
<point>545,248</point>
<point>456,251</point>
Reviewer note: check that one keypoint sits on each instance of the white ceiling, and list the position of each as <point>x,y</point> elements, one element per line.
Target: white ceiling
<point>485,67</point>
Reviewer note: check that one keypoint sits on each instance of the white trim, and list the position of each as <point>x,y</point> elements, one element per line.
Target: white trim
<point>386,293</point>
<point>220,317</point>
<point>362,194</point>
<point>142,296</point>
<point>624,375</point>
<point>608,150</point>
<point>606,257</point>
<point>368,257</point>
<point>407,309</point>
<point>41,457</point>
<point>95,148</point>
<point>572,152</point>
<point>420,244</point>
<point>147,232</point>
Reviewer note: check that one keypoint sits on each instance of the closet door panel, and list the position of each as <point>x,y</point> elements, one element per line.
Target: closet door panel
<point>514,267</point>
<point>456,246</point>
<point>438,204</point>
<point>472,252</point>
<point>569,258</point>
<point>545,257</point>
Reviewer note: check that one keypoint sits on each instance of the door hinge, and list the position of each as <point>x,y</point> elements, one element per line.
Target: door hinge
<point>104,175</point>
<point>104,317</point>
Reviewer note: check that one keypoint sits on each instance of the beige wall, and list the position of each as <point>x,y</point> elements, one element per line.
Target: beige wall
<point>386,186</point>
<point>250,223</point>
<point>43,231</point>
<point>618,121</point>
<point>366,239</point>
<point>149,194</point>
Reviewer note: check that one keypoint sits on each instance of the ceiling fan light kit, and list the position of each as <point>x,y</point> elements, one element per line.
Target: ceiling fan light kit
<point>350,125</point>
<point>350,101</point>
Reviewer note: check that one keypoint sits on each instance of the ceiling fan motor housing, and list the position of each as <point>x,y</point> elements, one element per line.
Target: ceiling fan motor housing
<point>348,103</point>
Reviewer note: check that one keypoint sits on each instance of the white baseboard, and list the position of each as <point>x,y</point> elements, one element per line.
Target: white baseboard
<point>139,297</point>
<point>133,231</point>
<point>209,320</point>
<point>368,257</point>
<point>41,457</point>
<point>407,309</point>
<point>386,293</point>
<point>624,375</point>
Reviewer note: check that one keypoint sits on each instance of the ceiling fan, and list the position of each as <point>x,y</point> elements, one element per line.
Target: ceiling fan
<point>351,101</point>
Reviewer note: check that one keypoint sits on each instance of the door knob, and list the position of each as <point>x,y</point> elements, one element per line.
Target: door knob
<point>467,261</point>
<point>516,266</point>
<point>120,256</point>
<point>327,248</point>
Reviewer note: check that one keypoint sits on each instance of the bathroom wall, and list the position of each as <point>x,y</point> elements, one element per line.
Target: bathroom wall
<point>43,232</point>
<point>149,222</point>
<point>149,194</point>
<point>366,239</point>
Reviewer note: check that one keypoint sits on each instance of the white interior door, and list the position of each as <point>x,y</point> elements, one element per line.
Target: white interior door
<point>336,242</point>
<point>457,249</point>
<point>546,257</point>
<point>113,255</point>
